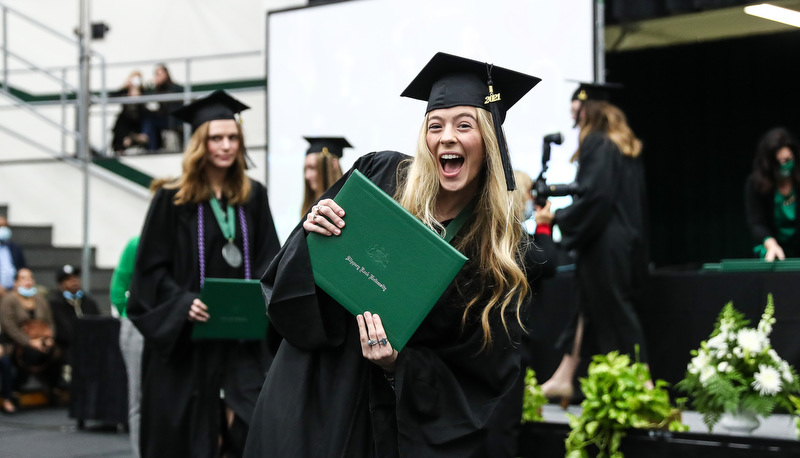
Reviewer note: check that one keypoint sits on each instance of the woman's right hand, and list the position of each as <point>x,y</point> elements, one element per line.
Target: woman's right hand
<point>325,218</point>
<point>773,250</point>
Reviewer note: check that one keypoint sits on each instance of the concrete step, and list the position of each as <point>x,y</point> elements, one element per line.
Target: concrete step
<point>30,236</point>
<point>38,257</point>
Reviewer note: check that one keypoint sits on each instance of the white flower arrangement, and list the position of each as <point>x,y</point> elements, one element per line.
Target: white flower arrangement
<point>737,369</point>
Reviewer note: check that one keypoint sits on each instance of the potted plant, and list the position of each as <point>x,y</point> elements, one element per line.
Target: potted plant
<point>617,399</point>
<point>736,376</point>
<point>533,399</point>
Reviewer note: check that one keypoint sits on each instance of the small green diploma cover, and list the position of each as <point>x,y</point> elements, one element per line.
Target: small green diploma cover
<point>385,261</point>
<point>236,309</point>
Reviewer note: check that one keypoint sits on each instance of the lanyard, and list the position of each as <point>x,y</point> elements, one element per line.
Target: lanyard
<point>228,227</point>
<point>452,229</point>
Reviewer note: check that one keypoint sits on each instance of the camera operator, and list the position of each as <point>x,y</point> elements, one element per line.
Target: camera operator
<point>605,226</point>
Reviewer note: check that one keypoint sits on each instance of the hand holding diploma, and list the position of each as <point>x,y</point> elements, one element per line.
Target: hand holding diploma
<point>374,344</point>
<point>325,218</point>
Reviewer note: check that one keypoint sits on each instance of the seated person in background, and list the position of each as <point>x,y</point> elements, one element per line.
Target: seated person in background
<point>69,304</point>
<point>11,258</point>
<point>770,202</point>
<point>157,117</point>
<point>321,168</point>
<point>128,126</point>
<point>28,333</point>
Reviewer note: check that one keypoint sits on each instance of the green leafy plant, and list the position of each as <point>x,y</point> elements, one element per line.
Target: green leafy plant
<point>618,399</point>
<point>796,403</point>
<point>533,399</point>
<point>737,369</point>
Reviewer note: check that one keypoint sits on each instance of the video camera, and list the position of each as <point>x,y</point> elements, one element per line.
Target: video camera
<point>541,190</point>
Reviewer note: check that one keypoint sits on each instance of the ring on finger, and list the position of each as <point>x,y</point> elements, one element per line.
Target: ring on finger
<point>372,342</point>
<point>383,341</point>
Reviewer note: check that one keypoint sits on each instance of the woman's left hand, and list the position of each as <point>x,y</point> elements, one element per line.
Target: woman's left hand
<point>374,345</point>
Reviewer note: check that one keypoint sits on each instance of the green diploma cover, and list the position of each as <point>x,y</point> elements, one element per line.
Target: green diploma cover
<point>236,309</point>
<point>385,261</point>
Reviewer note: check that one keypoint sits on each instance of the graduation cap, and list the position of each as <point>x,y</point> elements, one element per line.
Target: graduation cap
<point>330,145</point>
<point>447,81</point>
<point>218,105</point>
<point>595,91</point>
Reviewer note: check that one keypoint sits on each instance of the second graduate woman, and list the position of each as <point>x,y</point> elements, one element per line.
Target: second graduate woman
<point>321,168</point>
<point>606,226</point>
<point>212,221</point>
<point>337,387</point>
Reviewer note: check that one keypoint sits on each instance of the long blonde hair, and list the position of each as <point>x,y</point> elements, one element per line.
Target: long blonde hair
<point>193,186</point>
<point>603,117</point>
<point>328,171</point>
<point>492,239</point>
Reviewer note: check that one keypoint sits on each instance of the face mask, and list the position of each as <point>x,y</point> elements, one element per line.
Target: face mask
<point>528,210</point>
<point>71,297</point>
<point>26,292</point>
<point>5,234</point>
<point>786,169</point>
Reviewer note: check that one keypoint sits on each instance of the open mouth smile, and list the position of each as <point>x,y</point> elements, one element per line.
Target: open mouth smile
<point>451,164</point>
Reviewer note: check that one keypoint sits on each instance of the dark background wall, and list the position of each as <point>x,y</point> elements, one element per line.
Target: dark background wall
<point>700,110</point>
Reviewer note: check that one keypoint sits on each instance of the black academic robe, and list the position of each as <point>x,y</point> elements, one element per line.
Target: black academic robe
<point>606,226</point>
<point>322,398</point>
<point>181,379</point>
<point>65,317</point>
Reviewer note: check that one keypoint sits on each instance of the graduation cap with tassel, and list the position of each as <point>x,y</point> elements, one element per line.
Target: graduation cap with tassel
<point>448,81</point>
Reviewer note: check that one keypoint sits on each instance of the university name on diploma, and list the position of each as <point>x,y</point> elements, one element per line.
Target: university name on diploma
<point>360,269</point>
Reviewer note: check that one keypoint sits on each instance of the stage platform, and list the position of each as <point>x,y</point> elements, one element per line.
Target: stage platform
<point>776,437</point>
<point>678,312</point>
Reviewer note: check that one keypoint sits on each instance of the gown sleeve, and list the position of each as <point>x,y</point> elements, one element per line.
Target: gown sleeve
<point>293,300</point>
<point>589,214</point>
<point>157,304</point>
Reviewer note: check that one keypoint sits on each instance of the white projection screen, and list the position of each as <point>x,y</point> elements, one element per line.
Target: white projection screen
<point>338,70</point>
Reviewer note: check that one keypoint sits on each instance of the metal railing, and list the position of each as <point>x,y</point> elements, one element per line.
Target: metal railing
<point>100,100</point>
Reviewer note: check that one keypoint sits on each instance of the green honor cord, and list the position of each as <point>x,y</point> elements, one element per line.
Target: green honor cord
<point>452,229</point>
<point>228,227</point>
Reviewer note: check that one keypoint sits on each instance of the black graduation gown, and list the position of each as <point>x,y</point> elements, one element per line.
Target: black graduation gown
<point>322,398</point>
<point>606,226</point>
<point>181,379</point>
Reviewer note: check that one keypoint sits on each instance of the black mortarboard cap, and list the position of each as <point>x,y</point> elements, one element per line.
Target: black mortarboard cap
<point>447,81</point>
<point>595,91</point>
<point>218,105</point>
<point>333,145</point>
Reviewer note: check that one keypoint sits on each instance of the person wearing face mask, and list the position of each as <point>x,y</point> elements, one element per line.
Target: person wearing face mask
<point>12,258</point>
<point>27,336</point>
<point>69,304</point>
<point>770,202</point>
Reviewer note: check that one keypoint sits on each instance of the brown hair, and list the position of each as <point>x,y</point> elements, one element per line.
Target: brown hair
<point>193,186</point>
<point>328,172</point>
<point>603,117</point>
